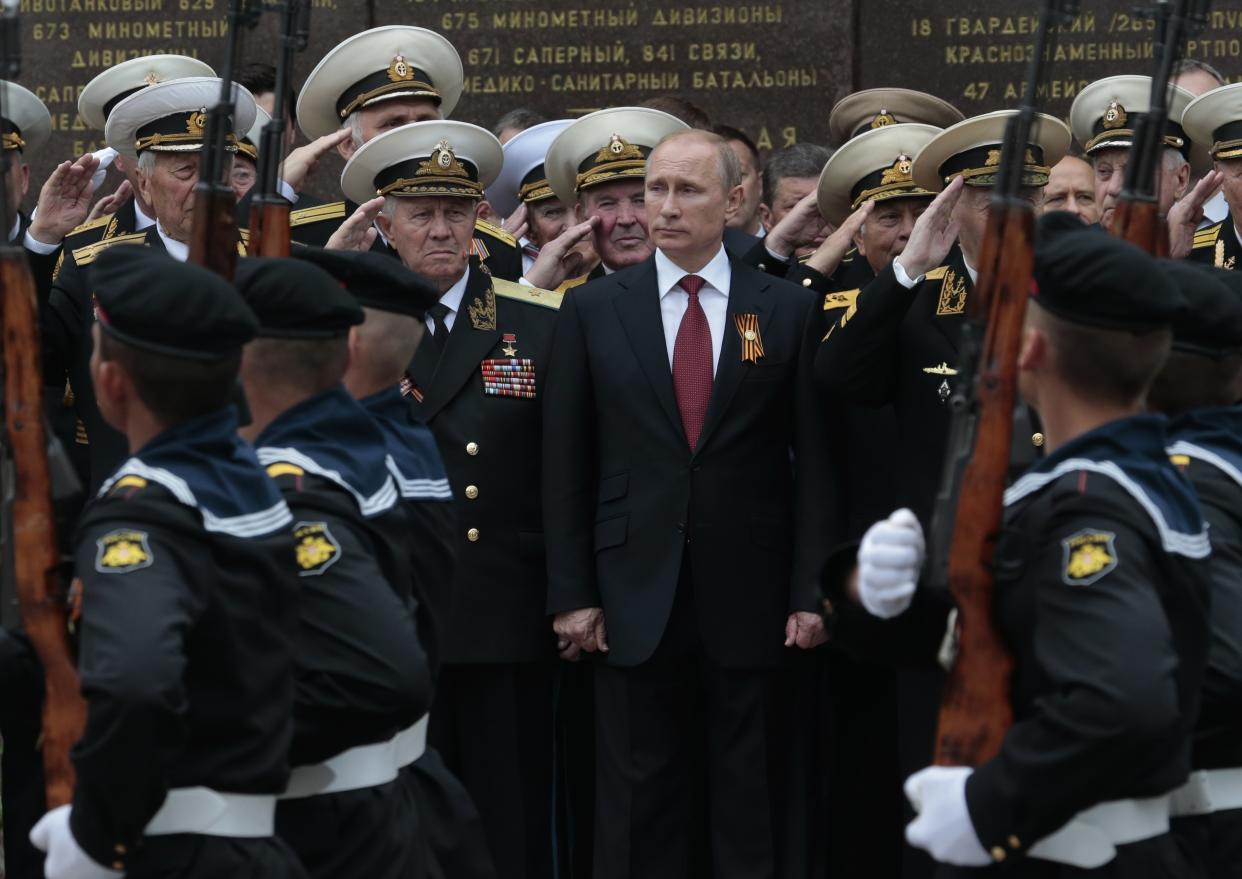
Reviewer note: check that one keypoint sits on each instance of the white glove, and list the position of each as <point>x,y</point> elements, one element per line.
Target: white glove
<point>889,561</point>
<point>65,858</point>
<point>943,827</point>
<point>105,156</point>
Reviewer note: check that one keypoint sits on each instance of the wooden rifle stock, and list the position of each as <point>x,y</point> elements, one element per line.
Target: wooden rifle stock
<point>35,554</point>
<point>975,710</point>
<point>1139,222</point>
<point>213,240</point>
<point>269,228</point>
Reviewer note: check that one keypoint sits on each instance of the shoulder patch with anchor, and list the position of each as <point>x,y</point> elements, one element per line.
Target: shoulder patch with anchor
<point>317,549</point>
<point>521,292</point>
<point>1089,555</point>
<point>122,551</point>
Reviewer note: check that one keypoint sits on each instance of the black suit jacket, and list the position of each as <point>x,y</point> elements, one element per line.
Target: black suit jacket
<point>490,447</point>
<point>625,498</point>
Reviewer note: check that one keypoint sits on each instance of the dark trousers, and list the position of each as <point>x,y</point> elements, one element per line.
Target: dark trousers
<point>371,833</point>
<point>494,727</point>
<point>1156,858</point>
<point>657,724</point>
<point>190,856</point>
<point>22,795</point>
<point>1212,844</point>
<point>457,847</point>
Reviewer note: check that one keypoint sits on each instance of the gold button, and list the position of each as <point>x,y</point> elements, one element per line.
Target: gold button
<point>1014,842</point>
<point>472,491</point>
<point>806,282</point>
<point>118,865</point>
<point>998,854</point>
<point>472,448</point>
<point>472,535</point>
<point>762,267</point>
<point>120,849</point>
<point>1037,440</point>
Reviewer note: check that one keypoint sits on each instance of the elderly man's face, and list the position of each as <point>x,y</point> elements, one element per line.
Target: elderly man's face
<point>169,189</point>
<point>432,236</point>
<point>884,235</point>
<point>243,176</point>
<point>548,219</point>
<point>1071,187</point>
<point>1231,170</point>
<point>387,115</point>
<point>621,236</point>
<point>1110,174</point>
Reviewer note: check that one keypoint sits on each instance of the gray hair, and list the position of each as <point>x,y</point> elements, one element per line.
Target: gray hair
<point>796,160</point>
<point>389,209</point>
<point>146,163</point>
<point>1173,160</point>
<point>1194,65</point>
<point>354,121</point>
<point>520,118</point>
<point>730,168</point>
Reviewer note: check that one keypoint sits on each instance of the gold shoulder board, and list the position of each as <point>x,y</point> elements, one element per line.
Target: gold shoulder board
<point>573,282</point>
<point>86,255</point>
<point>844,299</point>
<point>93,224</point>
<point>495,232</point>
<point>534,295</point>
<point>937,274</point>
<point>1207,237</point>
<point>317,214</point>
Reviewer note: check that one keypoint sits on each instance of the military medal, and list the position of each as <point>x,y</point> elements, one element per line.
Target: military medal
<point>509,376</point>
<point>410,389</point>
<point>748,328</point>
<point>510,344</point>
<point>944,391</point>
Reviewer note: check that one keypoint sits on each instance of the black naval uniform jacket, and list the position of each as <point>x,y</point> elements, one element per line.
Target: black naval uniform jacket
<point>188,615</point>
<point>1102,593</point>
<point>496,248</point>
<point>625,498</point>
<point>900,347</point>
<point>489,443</point>
<point>1217,245</point>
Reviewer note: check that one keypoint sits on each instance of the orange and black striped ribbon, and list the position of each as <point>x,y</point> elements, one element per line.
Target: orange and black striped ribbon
<point>748,329</point>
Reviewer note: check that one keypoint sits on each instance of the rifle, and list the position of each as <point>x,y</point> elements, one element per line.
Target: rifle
<point>29,476</point>
<point>1138,218</point>
<point>975,711</point>
<point>213,242</point>
<point>269,210</point>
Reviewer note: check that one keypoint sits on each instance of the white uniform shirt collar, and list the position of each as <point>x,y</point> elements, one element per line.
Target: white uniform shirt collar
<point>452,298</point>
<point>141,220</point>
<point>716,273</point>
<point>178,251</point>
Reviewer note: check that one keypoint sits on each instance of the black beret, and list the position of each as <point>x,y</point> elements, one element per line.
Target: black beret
<point>295,300</point>
<point>1086,276</point>
<point>149,300</point>
<point>1211,324</point>
<point>376,280</point>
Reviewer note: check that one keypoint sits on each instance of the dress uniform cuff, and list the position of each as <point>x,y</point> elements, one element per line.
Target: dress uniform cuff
<point>992,813</point>
<point>903,277</point>
<point>776,256</point>
<point>93,839</point>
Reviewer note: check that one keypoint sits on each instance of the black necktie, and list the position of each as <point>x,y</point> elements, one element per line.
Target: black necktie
<point>439,331</point>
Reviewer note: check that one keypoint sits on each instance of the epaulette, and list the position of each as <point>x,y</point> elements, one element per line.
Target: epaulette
<point>573,282</point>
<point>843,299</point>
<point>92,224</point>
<point>534,295</point>
<point>1207,237</point>
<point>495,232</point>
<point>60,261</point>
<point>317,214</point>
<point>849,256</point>
<point>937,274</point>
<point>86,255</point>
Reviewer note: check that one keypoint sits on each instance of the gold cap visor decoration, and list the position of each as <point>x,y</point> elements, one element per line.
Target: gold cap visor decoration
<point>870,109</point>
<point>27,124</point>
<point>1105,116</point>
<point>115,84</point>
<point>432,159</point>
<point>396,61</point>
<point>172,117</point>
<point>523,177</point>
<point>249,144</point>
<point>1214,121</point>
<point>874,166</point>
<point>606,146</point>
<point>972,149</point>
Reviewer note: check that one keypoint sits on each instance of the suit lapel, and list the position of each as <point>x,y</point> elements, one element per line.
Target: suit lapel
<point>466,347</point>
<point>638,308</point>
<point>745,297</point>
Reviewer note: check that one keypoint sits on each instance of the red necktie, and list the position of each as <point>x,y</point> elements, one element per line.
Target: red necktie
<point>692,362</point>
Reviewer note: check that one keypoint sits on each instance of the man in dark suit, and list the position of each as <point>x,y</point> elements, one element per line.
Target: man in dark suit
<point>683,544</point>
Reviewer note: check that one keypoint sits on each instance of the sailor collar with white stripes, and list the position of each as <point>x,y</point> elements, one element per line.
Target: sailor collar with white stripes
<point>332,436</point>
<point>1213,436</point>
<point>1130,452</point>
<point>205,465</point>
<point>414,457</point>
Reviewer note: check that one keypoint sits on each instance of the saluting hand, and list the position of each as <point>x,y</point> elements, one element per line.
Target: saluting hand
<point>64,200</point>
<point>302,162</point>
<point>583,629</point>
<point>798,228</point>
<point>517,223</point>
<point>1186,215</point>
<point>358,231</point>
<point>933,234</point>
<point>110,204</point>
<point>828,255</point>
<point>560,259</point>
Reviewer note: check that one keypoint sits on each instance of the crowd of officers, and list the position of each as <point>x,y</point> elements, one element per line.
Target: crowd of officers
<point>589,544</point>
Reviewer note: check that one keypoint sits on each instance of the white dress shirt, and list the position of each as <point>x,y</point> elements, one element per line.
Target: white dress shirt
<point>904,279</point>
<point>29,242</point>
<point>452,298</point>
<point>714,297</point>
<point>141,220</point>
<point>176,249</point>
